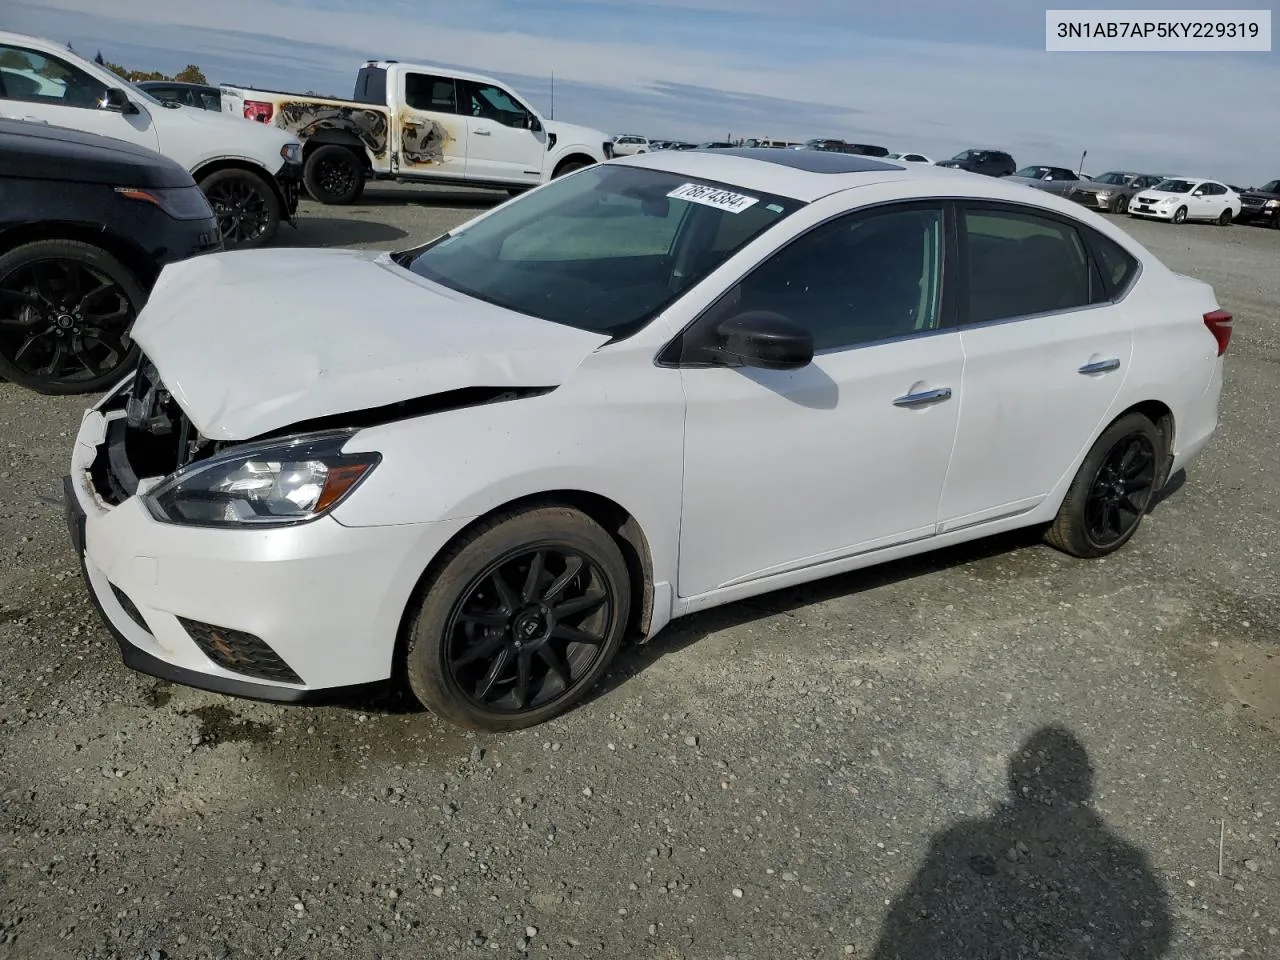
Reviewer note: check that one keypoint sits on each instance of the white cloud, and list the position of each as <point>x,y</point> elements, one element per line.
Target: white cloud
<point>1145,110</point>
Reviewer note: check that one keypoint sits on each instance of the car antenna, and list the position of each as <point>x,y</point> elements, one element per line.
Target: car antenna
<point>1082,156</point>
<point>553,96</point>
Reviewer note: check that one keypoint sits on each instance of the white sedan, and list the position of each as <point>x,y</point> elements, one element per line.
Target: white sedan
<point>909,157</point>
<point>1179,199</point>
<point>658,385</point>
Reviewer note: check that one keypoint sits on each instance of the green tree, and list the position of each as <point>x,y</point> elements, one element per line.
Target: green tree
<point>190,74</point>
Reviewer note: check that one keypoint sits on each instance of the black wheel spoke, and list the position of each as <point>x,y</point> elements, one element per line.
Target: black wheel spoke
<point>85,357</point>
<point>1120,490</point>
<point>537,567</point>
<point>26,345</point>
<point>573,567</point>
<point>487,682</point>
<point>44,283</point>
<point>561,632</point>
<point>572,608</point>
<point>481,650</point>
<point>523,676</point>
<point>495,619</point>
<point>556,666</point>
<point>55,364</point>
<point>506,596</point>
<point>94,294</point>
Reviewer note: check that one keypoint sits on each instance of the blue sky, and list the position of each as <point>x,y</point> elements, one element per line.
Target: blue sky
<point>936,76</point>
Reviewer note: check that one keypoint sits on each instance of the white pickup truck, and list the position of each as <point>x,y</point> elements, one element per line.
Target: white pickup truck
<point>427,124</point>
<point>249,175</point>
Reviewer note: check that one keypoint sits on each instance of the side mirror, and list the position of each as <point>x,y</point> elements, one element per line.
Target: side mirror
<point>766,340</point>
<point>117,101</point>
<point>533,124</point>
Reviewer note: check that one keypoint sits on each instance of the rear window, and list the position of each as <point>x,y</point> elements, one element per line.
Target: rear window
<point>371,85</point>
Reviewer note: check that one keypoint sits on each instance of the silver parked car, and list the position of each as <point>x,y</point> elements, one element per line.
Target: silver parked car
<point>1057,180</point>
<point>1111,192</point>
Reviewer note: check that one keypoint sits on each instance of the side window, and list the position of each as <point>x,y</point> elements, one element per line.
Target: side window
<point>211,100</point>
<point>490,102</point>
<point>859,279</point>
<point>1117,264</point>
<point>435,94</point>
<point>35,78</point>
<point>1021,264</point>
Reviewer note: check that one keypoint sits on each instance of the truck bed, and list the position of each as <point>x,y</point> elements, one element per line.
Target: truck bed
<point>304,116</point>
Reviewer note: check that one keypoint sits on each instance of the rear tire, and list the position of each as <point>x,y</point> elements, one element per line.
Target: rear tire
<point>70,305</point>
<point>1112,491</point>
<point>334,175</point>
<point>1225,219</point>
<point>247,209</point>
<point>499,642</point>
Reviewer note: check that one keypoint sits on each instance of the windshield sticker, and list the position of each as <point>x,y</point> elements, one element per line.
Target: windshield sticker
<point>713,197</point>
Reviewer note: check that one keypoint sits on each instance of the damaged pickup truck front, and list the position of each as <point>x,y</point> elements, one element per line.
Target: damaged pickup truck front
<point>421,123</point>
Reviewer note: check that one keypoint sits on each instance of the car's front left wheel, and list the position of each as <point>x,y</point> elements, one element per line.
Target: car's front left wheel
<point>521,619</point>
<point>1112,491</point>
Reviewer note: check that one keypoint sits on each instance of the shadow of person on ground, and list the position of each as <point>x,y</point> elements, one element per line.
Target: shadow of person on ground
<point>1043,877</point>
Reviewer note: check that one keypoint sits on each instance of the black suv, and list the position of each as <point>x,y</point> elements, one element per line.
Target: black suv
<point>843,146</point>
<point>1261,205</point>
<point>994,163</point>
<point>86,224</point>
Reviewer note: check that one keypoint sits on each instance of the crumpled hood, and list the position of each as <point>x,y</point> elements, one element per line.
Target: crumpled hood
<point>251,341</point>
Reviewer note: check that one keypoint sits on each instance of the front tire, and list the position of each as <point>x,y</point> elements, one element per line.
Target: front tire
<point>1180,215</point>
<point>247,209</point>
<point>1112,491</point>
<point>1122,204</point>
<point>66,309</point>
<point>334,175</point>
<point>571,166</point>
<point>521,621</point>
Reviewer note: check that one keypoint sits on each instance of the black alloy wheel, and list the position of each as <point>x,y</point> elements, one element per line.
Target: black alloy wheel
<point>1116,485</point>
<point>1121,491</point>
<point>66,310</point>
<point>247,210</point>
<point>334,175</point>
<point>528,629</point>
<point>522,619</point>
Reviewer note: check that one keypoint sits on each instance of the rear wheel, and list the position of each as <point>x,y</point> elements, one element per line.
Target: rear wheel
<point>1180,215</point>
<point>523,619</point>
<point>1224,219</point>
<point>334,175</point>
<point>1112,491</point>
<point>247,209</point>
<point>66,309</point>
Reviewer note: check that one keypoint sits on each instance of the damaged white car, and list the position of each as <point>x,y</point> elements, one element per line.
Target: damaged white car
<point>657,385</point>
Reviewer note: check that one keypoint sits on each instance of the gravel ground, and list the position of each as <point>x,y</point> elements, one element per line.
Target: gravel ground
<point>825,772</point>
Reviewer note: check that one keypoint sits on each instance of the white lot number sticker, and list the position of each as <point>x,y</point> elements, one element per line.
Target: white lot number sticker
<point>713,197</point>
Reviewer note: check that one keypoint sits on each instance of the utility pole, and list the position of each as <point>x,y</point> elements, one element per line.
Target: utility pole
<point>553,96</point>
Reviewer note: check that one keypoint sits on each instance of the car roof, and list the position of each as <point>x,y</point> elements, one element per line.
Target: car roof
<point>434,68</point>
<point>807,175</point>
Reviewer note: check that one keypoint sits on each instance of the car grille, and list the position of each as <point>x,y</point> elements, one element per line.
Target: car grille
<point>1087,197</point>
<point>1146,199</point>
<point>1251,201</point>
<point>239,652</point>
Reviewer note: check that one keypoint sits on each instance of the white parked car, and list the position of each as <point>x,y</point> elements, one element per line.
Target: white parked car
<point>1179,199</point>
<point>654,386</point>
<point>909,157</point>
<point>250,174</point>
<point>627,145</point>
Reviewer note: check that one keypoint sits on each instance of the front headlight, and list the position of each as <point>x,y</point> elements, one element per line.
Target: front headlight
<point>1103,193</point>
<point>1272,204</point>
<point>292,152</point>
<point>270,484</point>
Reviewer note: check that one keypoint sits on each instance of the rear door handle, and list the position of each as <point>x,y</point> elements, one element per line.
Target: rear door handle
<point>1101,366</point>
<point>923,398</point>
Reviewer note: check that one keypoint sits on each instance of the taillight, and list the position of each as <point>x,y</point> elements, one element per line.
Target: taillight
<point>1219,324</point>
<point>258,110</point>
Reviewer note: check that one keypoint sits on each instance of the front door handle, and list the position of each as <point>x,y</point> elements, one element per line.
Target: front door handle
<point>923,398</point>
<point>1101,366</point>
<point>483,133</point>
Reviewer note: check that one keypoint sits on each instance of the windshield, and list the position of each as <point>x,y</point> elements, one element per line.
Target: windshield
<point>969,155</point>
<point>1174,186</point>
<point>604,250</point>
<point>1119,179</point>
<point>1034,173</point>
<point>1272,186</point>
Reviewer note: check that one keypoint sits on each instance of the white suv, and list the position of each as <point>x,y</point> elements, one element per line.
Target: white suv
<point>628,146</point>
<point>249,172</point>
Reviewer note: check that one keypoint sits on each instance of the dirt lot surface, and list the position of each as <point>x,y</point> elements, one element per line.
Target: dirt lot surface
<point>823,772</point>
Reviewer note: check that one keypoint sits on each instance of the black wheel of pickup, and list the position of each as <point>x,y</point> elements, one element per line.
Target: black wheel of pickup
<point>334,175</point>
